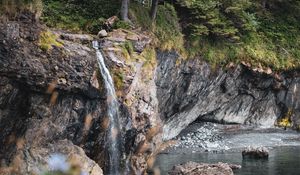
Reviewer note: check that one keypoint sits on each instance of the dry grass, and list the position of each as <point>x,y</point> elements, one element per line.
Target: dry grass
<point>53,98</point>
<point>48,40</point>
<point>51,87</point>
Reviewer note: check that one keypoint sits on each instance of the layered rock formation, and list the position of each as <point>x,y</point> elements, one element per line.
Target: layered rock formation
<point>54,98</point>
<point>193,91</point>
<point>46,97</point>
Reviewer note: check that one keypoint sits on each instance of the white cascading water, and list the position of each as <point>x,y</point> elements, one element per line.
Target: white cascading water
<point>113,115</point>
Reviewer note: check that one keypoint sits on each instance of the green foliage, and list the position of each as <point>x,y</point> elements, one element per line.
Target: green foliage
<point>166,28</point>
<point>10,8</point>
<point>219,31</point>
<point>129,47</point>
<point>139,15</point>
<point>121,25</point>
<point>149,58</point>
<point>127,50</point>
<point>149,55</point>
<point>79,16</point>
<point>118,77</point>
<point>223,31</point>
<point>224,19</point>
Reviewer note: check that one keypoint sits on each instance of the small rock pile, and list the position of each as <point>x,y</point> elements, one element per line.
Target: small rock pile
<point>206,136</point>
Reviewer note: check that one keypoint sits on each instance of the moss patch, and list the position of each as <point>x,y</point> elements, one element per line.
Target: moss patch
<point>286,120</point>
<point>127,50</point>
<point>118,80</point>
<point>149,58</point>
<point>48,40</point>
<point>168,30</point>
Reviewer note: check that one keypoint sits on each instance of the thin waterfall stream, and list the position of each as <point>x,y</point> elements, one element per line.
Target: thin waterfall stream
<point>112,114</point>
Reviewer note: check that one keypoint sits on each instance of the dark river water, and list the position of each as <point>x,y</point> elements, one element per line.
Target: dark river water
<point>282,161</point>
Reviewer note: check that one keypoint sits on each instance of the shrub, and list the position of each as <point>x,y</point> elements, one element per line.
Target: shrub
<point>79,16</point>
<point>166,29</point>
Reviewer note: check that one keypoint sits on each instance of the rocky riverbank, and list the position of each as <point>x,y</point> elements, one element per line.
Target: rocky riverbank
<point>212,137</point>
<point>210,143</point>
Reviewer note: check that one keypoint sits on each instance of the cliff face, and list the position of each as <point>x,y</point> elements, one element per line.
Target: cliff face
<point>54,101</point>
<point>45,98</point>
<point>237,94</point>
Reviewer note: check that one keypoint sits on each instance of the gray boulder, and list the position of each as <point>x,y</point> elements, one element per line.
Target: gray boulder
<point>192,168</point>
<point>256,153</point>
<point>102,34</point>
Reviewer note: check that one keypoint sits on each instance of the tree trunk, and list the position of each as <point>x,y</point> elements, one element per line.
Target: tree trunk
<point>154,9</point>
<point>264,3</point>
<point>124,10</point>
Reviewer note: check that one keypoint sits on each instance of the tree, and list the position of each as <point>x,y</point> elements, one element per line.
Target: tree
<point>124,10</point>
<point>154,9</point>
<point>264,3</point>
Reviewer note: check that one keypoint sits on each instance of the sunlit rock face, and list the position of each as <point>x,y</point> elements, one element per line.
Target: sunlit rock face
<point>193,91</point>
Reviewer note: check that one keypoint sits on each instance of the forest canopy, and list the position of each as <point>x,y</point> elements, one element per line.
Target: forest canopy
<point>265,32</point>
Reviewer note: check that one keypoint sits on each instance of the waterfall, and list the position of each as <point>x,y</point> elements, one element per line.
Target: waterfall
<point>112,113</point>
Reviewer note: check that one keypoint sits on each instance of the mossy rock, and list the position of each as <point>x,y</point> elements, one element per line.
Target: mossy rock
<point>48,40</point>
<point>286,120</point>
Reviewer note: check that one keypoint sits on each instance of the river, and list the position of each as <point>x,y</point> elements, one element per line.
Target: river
<point>284,149</point>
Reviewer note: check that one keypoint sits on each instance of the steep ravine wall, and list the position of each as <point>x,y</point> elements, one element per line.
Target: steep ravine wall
<point>192,90</point>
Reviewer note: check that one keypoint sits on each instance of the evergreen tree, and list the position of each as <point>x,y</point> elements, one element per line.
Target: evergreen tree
<point>154,7</point>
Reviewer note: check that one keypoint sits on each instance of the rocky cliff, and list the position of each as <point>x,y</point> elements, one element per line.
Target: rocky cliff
<point>192,90</point>
<point>46,98</point>
<point>52,98</point>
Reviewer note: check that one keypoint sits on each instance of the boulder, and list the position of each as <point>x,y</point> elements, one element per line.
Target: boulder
<point>192,168</point>
<point>102,34</point>
<point>61,156</point>
<point>256,153</point>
